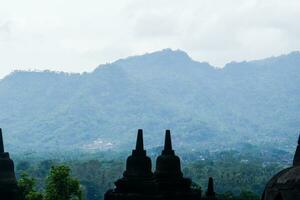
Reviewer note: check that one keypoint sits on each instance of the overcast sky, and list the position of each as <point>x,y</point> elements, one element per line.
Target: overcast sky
<point>77,36</point>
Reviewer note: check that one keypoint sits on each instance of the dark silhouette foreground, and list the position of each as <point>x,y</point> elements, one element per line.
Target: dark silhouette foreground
<point>8,182</point>
<point>167,181</point>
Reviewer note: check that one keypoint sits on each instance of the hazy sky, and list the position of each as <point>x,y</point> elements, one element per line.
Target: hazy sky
<point>71,35</point>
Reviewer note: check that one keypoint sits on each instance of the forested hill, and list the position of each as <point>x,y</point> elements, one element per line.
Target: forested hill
<point>254,102</point>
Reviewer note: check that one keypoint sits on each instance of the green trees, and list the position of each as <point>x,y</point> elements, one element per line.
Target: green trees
<point>61,186</point>
<point>233,171</point>
<point>27,189</point>
<point>248,195</point>
<point>244,195</point>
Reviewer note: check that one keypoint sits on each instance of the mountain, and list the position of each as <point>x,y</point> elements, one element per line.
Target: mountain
<point>255,102</point>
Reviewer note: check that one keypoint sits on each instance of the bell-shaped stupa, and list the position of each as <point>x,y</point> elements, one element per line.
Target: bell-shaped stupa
<point>168,176</point>
<point>137,181</point>
<point>285,185</point>
<point>8,183</point>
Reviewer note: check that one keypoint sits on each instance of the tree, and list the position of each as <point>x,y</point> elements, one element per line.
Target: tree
<point>247,195</point>
<point>34,196</point>
<point>27,190</point>
<point>61,186</point>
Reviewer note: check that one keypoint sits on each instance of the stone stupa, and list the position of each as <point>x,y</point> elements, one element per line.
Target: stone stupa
<point>8,182</point>
<point>171,184</point>
<point>285,185</point>
<point>137,181</point>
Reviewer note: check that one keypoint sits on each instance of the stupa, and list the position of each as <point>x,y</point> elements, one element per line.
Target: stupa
<point>137,181</point>
<point>8,182</point>
<point>168,176</point>
<point>285,185</point>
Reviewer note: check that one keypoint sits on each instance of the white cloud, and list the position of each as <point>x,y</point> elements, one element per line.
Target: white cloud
<point>78,35</point>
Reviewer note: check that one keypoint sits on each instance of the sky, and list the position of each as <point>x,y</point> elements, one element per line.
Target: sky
<point>77,36</point>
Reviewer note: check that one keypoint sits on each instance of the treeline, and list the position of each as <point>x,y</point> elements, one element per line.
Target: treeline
<point>60,185</point>
<point>233,172</point>
<point>95,176</point>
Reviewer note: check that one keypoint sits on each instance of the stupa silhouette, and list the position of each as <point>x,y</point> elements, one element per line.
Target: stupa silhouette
<point>8,183</point>
<point>285,185</point>
<point>166,183</point>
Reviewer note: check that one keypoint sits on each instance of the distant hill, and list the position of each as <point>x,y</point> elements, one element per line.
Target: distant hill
<point>255,102</point>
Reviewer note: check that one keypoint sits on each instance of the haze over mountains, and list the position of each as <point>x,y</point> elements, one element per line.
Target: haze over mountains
<point>255,102</point>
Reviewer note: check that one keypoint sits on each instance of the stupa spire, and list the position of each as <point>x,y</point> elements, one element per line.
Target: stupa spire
<point>168,150</point>
<point>1,142</point>
<point>296,161</point>
<point>210,188</point>
<point>139,147</point>
<point>139,141</point>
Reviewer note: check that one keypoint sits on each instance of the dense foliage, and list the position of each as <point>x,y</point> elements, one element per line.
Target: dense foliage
<point>59,186</point>
<point>27,190</point>
<point>232,174</point>
<point>206,108</point>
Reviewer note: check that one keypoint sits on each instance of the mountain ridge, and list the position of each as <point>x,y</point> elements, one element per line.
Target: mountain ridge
<point>295,53</point>
<point>203,105</point>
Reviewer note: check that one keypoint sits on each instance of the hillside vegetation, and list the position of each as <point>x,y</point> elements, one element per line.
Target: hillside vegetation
<point>254,102</point>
